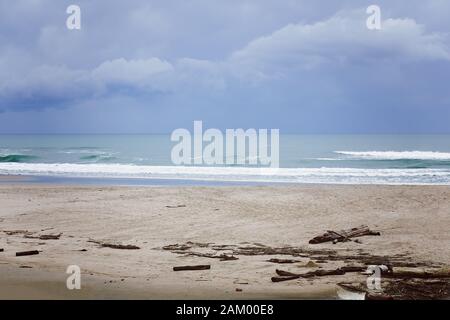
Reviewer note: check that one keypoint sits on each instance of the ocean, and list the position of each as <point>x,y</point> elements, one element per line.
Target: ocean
<point>330,159</point>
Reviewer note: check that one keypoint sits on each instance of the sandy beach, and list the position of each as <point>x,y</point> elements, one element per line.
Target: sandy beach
<point>413,222</point>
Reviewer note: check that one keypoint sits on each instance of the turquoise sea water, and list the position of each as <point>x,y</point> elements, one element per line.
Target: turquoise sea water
<point>368,159</point>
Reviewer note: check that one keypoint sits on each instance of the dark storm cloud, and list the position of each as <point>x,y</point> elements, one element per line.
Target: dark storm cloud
<point>269,61</point>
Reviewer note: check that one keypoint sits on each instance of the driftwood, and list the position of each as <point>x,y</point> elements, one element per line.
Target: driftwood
<point>185,250</point>
<point>115,246</point>
<point>396,281</point>
<point>177,247</point>
<point>399,289</point>
<point>343,235</point>
<point>282,261</point>
<point>407,284</point>
<point>187,268</point>
<point>177,206</point>
<point>44,236</point>
<point>26,253</point>
<point>50,236</point>
<point>421,274</point>
<point>120,246</point>
<point>222,257</point>
<point>253,250</point>
<point>14,232</point>
<point>320,256</point>
<point>285,275</point>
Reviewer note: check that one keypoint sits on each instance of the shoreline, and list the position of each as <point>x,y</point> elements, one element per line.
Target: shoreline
<point>176,182</point>
<point>413,221</point>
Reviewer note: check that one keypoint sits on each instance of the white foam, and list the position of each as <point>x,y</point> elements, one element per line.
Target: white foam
<point>397,155</point>
<point>296,175</point>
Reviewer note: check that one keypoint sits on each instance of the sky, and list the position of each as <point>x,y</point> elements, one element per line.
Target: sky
<point>303,66</point>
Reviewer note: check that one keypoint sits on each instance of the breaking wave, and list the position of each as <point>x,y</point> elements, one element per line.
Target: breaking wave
<point>396,155</point>
<point>97,158</point>
<point>16,158</point>
<point>249,174</point>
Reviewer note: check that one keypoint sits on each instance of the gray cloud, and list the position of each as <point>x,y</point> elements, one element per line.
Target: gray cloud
<point>343,40</point>
<point>201,55</point>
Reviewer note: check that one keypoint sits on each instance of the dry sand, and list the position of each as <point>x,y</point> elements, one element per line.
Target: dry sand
<point>413,220</point>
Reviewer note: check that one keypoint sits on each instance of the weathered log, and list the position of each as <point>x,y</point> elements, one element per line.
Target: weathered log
<point>279,279</point>
<point>282,261</point>
<point>50,236</point>
<point>186,268</point>
<point>421,274</point>
<point>26,253</point>
<point>319,273</point>
<point>285,275</point>
<point>343,235</point>
<point>115,246</point>
<point>44,236</point>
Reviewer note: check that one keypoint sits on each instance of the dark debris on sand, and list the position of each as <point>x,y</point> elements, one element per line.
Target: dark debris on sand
<point>415,284</point>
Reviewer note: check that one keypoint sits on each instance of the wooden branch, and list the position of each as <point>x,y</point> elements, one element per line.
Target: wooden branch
<point>14,232</point>
<point>279,279</point>
<point>199,267</point>
<point>115,246</point>
<point>120,246</point>
<point>285,275</point>
<point>44,236</point>
<point>26,253</point>
<point>343,235</point>
<point>282,261</point>
<point>403,274</point>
